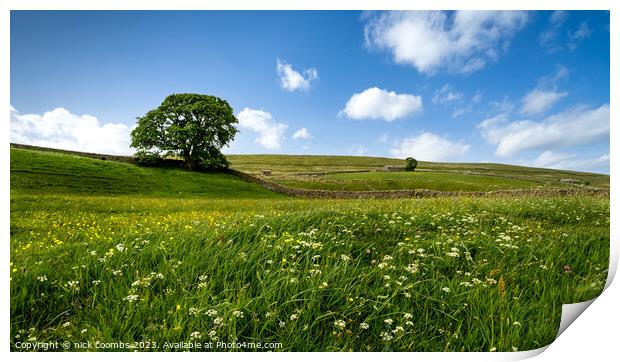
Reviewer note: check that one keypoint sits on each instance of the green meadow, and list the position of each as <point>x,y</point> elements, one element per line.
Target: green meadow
<point>106,252</point>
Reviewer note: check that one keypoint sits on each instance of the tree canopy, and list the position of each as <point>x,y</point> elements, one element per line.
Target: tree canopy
<point>412,163</point>
<point>193,127</point>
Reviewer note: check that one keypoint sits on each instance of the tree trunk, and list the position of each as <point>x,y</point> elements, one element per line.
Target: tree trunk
<point>189,162</point>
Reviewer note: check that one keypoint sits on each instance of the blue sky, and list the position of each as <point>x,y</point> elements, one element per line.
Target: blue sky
<point>528,88</point>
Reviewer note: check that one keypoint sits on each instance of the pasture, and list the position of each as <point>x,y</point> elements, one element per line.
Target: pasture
<point>109,252</point>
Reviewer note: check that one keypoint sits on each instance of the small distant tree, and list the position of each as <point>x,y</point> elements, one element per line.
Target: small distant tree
<point>412,163</point>
<point>193,127</point>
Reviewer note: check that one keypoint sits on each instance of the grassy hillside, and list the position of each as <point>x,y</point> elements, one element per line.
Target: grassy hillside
<point>107,252</point>
<point>288,170</point>
<point>55,173</point>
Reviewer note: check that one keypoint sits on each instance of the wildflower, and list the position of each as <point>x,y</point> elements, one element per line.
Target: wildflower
<point>42,278</point>
<point>131,297</point>
<point>211,313</point>
<point>73,285</point>
<point>493,349</point>
<point>282,324</point>
<point>120,247</point>
<point>84,331</point>
<point>96,282</point>
<point>389,321</point>
<point>202,278</point>
<point>345,257</point>
<point>516,323</point>
<point>364,326</point>
<point>202,285</point>
<point>293,317</point>
<point>217,321</point>
<point>407,315</point>
<point>386,336</point>
<point>446,289</point>
<point>195,335</point>
<point>238,313</point>
<point>213,335</point>
<point>340,323</point>
<point>398,329</point>
<point>117,272</point>
<point>412,268</point>
<point>193,311</point>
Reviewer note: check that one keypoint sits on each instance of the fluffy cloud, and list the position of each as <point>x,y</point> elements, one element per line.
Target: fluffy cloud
<point>566,161</point>
<point>549,37</point>
<point>461,42</point>
<point>375,103</point>
<point>429,147</point>
<point>539,100</point>
<point>553,37</point>
<point>302,133</point>
<point>59,128</point>
<point>447,94</point>
<point>291,80</point>
<point>270,133</point>
<point>577,126</point>
<point>575,37</point>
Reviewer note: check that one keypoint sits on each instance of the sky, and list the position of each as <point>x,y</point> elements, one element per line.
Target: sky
<point>515,87</point>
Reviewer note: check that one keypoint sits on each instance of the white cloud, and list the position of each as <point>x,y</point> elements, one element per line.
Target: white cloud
<point>577,126</point>
<point>503,106</point>
<point>461,42</point>
<point>548,38</point>
<point>59,128</point>
<point>447,94</point>
<point>302,133</point>
<point>539,100</point>
<point>270,133</point>
<point>429,147</point>
<point>375,103</point>
<point>357,150</point>
<point>291,80</point>
<point>566,161</point>
<point>461,111</point>
<point>575,37</point>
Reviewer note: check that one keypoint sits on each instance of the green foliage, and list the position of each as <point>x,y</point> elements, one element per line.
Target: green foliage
<point>193,127</point>
<point>149,158</point>
<point>412,163</point>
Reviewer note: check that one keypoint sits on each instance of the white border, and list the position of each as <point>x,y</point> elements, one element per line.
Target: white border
<point>589,337</point>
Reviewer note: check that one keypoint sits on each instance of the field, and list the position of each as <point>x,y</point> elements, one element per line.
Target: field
<point>365,174</point>
<point>104,252</point>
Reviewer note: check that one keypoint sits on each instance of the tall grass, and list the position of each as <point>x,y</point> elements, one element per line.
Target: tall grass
<point>106,252</point>
<point>430,275</point>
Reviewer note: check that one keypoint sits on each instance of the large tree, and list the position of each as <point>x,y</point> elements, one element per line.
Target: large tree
<point>193,127</point>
